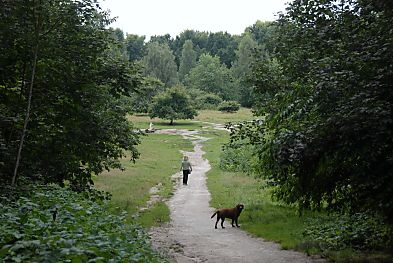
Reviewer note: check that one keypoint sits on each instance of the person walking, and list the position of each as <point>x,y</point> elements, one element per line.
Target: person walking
<point>187,169</point>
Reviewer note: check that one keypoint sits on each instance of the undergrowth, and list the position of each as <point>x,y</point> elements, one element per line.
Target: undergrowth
<point>54,224</point>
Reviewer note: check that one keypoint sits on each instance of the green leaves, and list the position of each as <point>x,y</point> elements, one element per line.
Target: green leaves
<point>78,122</point>
<point>172,104</point>
<point>360,231</point>
<point>325,96</point>
<point>83,230</point>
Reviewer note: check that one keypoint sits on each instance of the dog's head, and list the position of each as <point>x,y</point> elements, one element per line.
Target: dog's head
<point>239,207</point>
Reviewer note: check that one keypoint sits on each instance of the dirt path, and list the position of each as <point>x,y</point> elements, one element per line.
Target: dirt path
<point>191,237</point>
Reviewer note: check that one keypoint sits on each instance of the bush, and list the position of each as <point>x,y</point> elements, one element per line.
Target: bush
<point>57,225</point>
<point>237,158</point>
<point>359,231</point>
<point>204,100</point>
<point>229,106</point>
<point>209,101</point>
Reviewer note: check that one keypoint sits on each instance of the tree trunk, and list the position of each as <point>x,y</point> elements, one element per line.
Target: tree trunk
<point>171,123</point>
<point>35,57</point>
<point>27,116</point>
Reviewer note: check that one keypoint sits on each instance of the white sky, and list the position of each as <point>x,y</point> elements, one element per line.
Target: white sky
<point>159,17</point>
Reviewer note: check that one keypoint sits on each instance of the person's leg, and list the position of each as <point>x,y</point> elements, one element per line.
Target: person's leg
<point>185,176</point>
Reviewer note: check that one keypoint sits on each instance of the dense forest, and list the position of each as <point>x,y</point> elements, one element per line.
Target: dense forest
<point>319,80</point>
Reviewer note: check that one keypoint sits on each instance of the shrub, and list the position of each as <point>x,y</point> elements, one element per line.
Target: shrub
<point>229,106</point>
<point>209,101</point>
<point>203,100</point>
<point>359,231</point>
<point>57,225</point>
<point>237,158</point>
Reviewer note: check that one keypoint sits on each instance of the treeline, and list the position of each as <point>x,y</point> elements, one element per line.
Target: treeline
<point>210,67</point>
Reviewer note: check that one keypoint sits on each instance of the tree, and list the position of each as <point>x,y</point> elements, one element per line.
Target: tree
<point>160,63</point>
<point>74,127</point>
<point>172,104</point>
<point>135,46</point>
<point>119,35</point>
<point>211,76</point>
<point>241,68</point>
<point>188,59</point>
<point>223,45</point>
<point>199,41</point>
<point>326,101</point>
<point>143,98</point>
<point>261,31</point>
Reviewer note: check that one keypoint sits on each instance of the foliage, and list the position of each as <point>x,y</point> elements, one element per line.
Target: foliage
<point>208,101</point>
<point>326,99</point>
<point>241,68</point>
<point>275,221</point>
<point>172,104</point>
<point>239,158</point>
<point>261,31</point>
<point>222,45</point>
<point>142,100</point>
<point>159,63</point>
<point>211,76</point>
<point>75,126</point>
<point>187,60</point>
<point>204,100</point>
<point>229,106</point>
<point>135,46</point>
<point>359,231</point>
<point>55,224</point>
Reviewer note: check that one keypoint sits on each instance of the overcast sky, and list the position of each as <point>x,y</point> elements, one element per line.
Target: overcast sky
<point>159,17</point>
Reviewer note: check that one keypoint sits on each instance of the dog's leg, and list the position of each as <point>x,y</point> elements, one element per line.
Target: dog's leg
<point>232,223</point>
<point>222,222</point>
<point>218,219</point>
<point>236,222</point>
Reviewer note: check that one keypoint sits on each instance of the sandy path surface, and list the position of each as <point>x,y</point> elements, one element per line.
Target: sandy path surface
<point>191,237</point>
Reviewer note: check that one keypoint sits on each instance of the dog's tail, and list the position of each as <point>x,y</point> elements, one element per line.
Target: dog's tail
<point>214,214</point>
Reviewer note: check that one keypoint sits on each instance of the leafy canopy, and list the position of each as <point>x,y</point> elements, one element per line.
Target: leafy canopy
<point>325,135</point>
<point>76,127</point>
<point>172,104</point>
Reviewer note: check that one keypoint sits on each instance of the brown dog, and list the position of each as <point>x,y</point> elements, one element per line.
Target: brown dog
<point>232,213</point>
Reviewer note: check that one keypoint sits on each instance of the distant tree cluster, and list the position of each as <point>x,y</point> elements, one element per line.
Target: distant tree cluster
<point>205,64</point>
